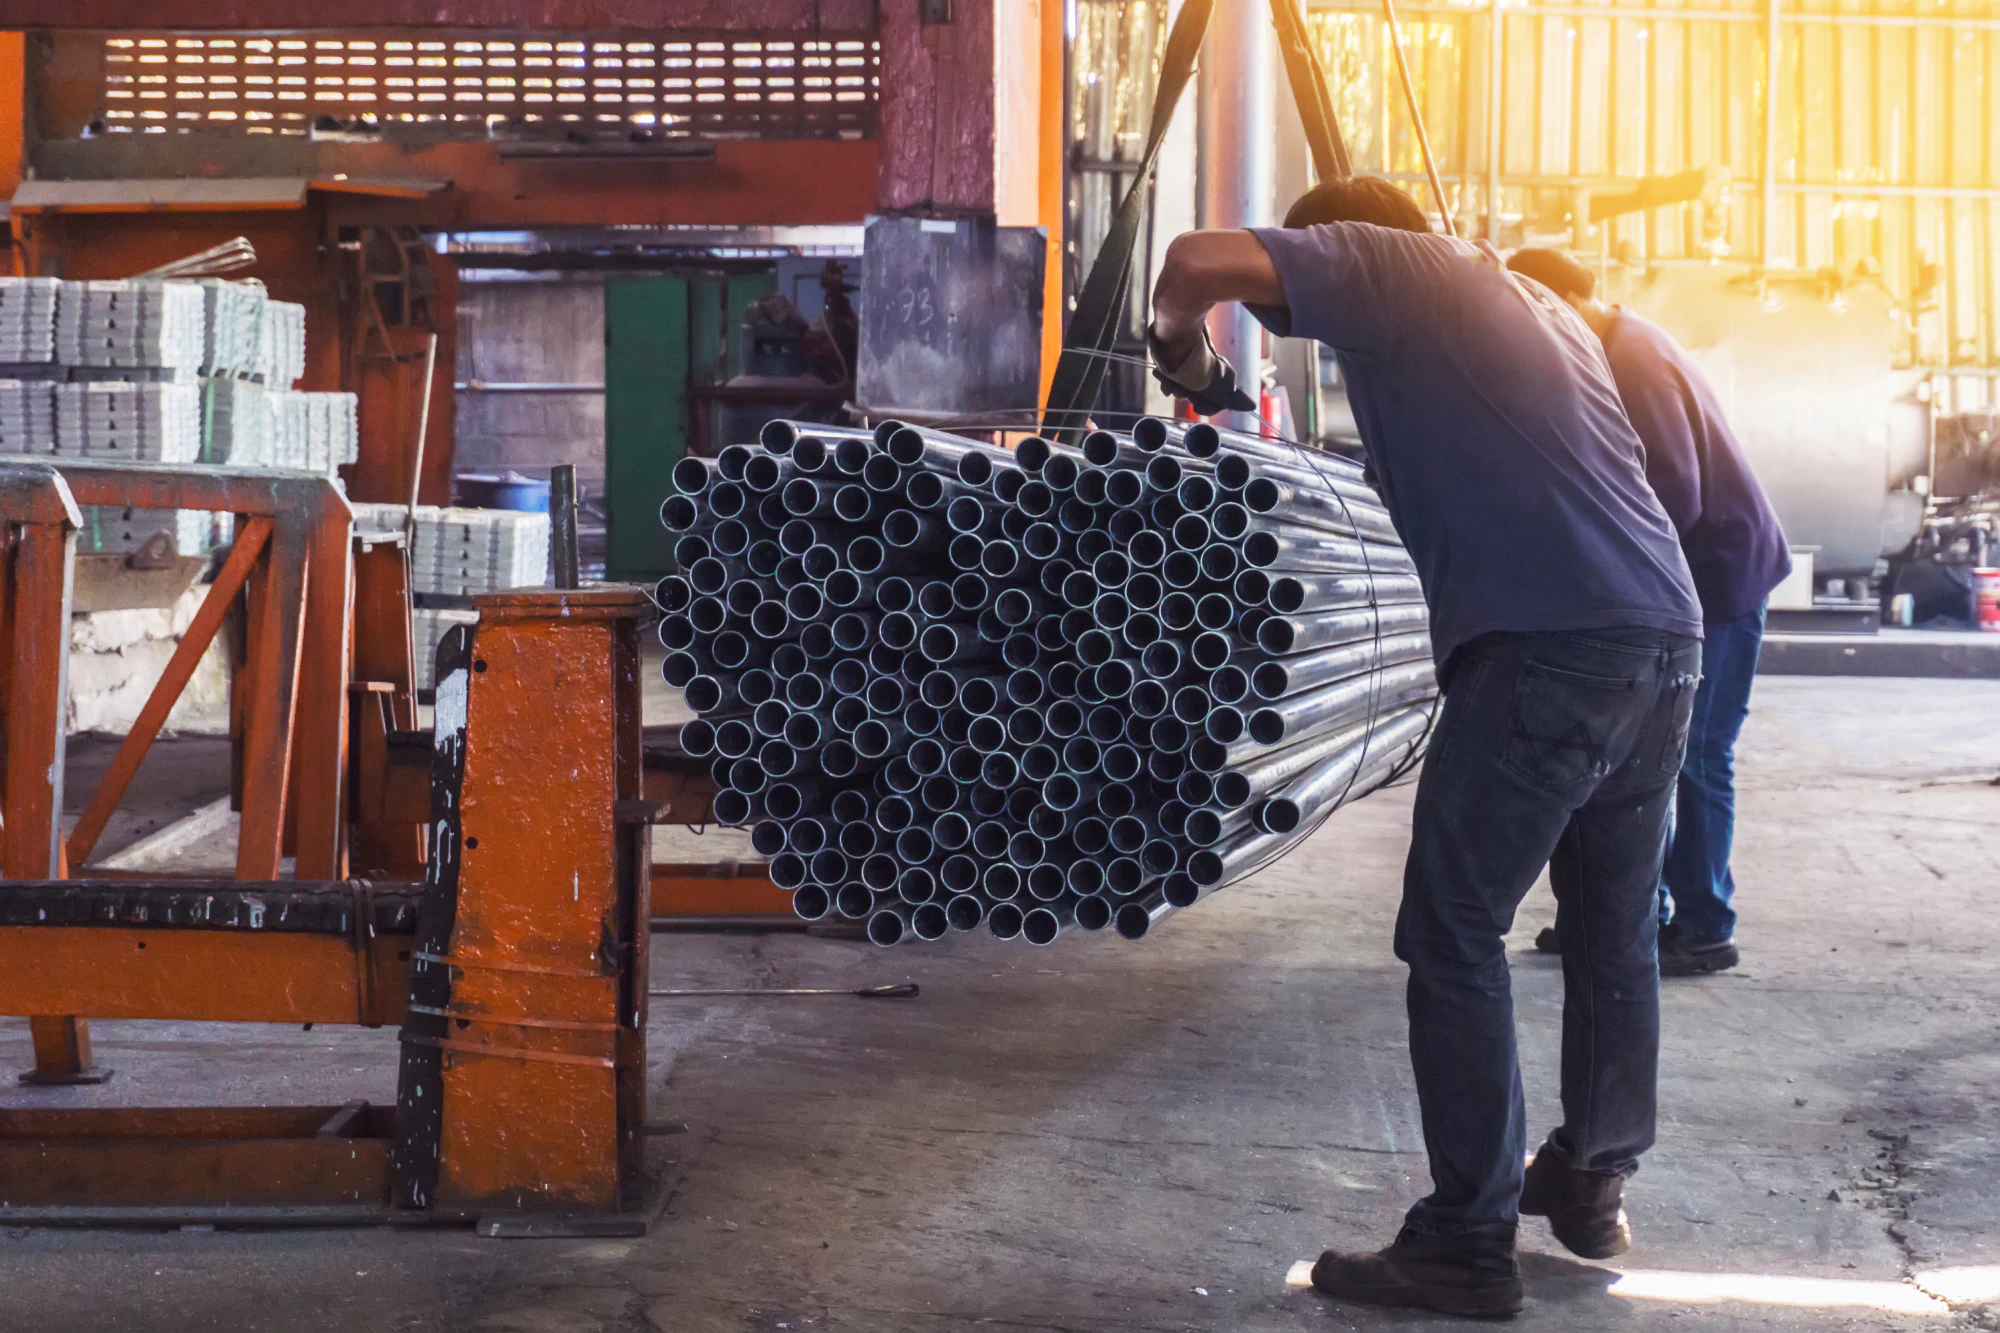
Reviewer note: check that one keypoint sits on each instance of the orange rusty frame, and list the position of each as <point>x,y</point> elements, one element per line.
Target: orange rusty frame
<point>204,976</point>
<point>301,590</point>
<point>40,521</point>
<point>184,1158</point>
<point>250,544</point>
<point>538,1044</point>
<point>547,1005</point>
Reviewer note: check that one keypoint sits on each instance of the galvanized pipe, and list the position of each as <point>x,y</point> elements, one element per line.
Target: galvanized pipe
<point>1297,634</point>
<point>1035,766</point>
<point>1316,787</point>
<point>1281,676</point>
<point>1310,710</point>
<point>1309,551</point>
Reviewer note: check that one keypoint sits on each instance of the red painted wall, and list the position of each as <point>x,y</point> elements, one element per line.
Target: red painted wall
<point>937,135</point>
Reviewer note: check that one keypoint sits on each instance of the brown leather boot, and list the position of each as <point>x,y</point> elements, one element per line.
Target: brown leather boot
<point>1584,1208</point>
<point>1474,1276</point>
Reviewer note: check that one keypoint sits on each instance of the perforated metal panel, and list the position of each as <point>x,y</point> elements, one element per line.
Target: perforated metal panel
<point>473,85</point>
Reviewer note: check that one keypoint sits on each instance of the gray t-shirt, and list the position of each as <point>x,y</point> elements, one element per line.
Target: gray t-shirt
<point>1495,433</point>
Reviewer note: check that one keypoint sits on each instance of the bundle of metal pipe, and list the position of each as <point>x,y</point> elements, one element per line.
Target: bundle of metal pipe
<point>948,686</point>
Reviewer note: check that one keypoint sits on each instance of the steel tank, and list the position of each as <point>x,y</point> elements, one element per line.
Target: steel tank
<point>1805,373</point>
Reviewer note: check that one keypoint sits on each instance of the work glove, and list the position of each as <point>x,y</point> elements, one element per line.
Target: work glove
<point>1203,378</point>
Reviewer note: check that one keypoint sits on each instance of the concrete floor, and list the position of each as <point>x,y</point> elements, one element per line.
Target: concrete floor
<point>1112,1137</point>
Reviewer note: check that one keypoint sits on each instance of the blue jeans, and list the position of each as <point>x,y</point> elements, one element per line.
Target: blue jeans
<point>1555,749</point>
<point>1696,885</point>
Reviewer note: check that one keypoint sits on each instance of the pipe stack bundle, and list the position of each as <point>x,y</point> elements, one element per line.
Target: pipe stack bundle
<point>948,686</point>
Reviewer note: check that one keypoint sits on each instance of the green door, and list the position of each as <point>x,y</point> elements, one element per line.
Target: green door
<point>661,334</point>
<point>646,365</point>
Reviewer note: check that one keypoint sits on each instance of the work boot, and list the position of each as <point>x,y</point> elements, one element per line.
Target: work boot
<point>1682,955</point>
<point>1546,941</point>
<point>1473,1275</point>
<point>1584,1208</point>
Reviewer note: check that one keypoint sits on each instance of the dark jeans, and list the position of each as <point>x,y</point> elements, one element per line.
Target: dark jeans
<point>1555,749</point>
<point>1696,880</point>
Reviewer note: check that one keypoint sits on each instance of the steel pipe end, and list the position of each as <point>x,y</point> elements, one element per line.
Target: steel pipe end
<point>839,759</point>
<point>959,874</point>
<point>1224,725</point>
<point>811,902</point>
<point>965,912</point>
<point>1124,875</point>
<point>930,922</point>
<point>1277,635</point>
<point>975,467</point>
<point>916,885</point>
<point>1205,868</point>
<point>807,837</point>
<point>1230,685</point>
<point>732,808</point>
<point>880,872</point>
<point>1004,921</point>
<point>1093,913</point>
<point>778,437</point>
<point>865,554</point>
<point>885,928</point>
<point>1001,881</point>
<point>1278,815</point>
<point>1230,521</point>
<point>1233,472</point>
<point>1267,726</point>
<point>851,454</point>
<point>788,871</point>
<point>1210,650</point>
<point>1041,926</point>
<point>1132,921</point>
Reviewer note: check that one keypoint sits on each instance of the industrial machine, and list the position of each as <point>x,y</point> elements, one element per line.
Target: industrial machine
<point>515,964</point>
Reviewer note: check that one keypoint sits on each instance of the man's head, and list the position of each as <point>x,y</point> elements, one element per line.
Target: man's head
<point>1357,199</point>
<point>1558,272</point>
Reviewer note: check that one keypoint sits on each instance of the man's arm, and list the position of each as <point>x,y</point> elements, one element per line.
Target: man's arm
<point>1203,269</point>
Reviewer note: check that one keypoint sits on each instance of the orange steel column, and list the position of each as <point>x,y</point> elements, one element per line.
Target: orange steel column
<point>1053,142</point>
<point>544,1053</point>
<point>40,574</point>
<point>319,798</point>
<point>278,591</point>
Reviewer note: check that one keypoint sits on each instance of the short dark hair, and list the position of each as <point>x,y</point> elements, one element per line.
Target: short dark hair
<point>1555,270</point>
<point>1358,199</point>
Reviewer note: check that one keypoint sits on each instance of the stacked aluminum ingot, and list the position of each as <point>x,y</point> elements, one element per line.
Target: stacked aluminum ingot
<point>233,330</point>
<point>131,324</point>
<point>27,416</point>
<point>28,320</point>
<point>946,686</point>
<point>127,421</point>
<point>281,355</point>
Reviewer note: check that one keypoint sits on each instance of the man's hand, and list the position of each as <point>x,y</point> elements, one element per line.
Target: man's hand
<point>1198,374</point>
<point>1201,270</point>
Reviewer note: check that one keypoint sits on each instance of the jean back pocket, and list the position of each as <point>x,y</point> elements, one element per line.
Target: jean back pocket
<point>1568,728</point>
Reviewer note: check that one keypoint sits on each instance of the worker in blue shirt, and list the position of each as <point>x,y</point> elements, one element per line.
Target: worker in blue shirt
<point>1567,636</point>
<point>1737,553</point>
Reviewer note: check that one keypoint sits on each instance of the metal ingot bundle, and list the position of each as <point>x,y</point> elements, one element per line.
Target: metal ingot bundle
<point>948,686</point>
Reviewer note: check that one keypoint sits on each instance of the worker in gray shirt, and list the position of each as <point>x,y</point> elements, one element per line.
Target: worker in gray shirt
<point>1737,553</point>
<point>1567,637</point>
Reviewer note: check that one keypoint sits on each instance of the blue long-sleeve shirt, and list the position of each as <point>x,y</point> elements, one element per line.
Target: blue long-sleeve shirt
<point>1735,547</point>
